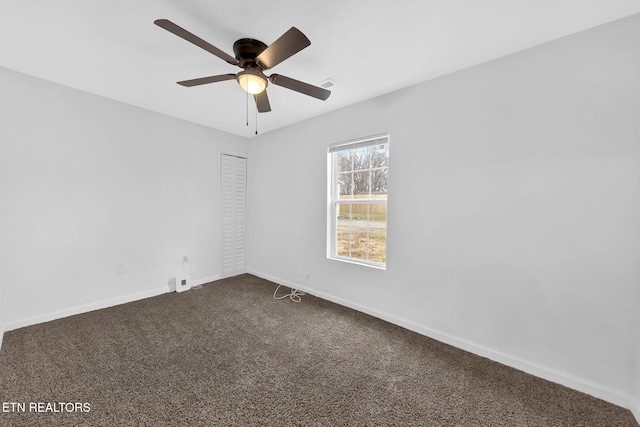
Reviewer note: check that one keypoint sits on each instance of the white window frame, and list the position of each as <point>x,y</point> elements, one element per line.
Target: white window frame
<point>333,199</point>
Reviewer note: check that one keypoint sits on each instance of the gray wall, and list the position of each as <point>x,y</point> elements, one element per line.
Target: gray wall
<point>1,301</point>
<point>87,182</point>
<point>636,391</point>
<point>514,201</point>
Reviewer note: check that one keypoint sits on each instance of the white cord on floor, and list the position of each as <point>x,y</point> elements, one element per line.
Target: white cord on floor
<point>294,295</point>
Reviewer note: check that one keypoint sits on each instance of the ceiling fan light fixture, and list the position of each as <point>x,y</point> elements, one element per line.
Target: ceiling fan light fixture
<point>252,82</point>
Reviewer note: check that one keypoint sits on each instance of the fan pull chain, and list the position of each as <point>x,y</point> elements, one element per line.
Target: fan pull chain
<point>247,109</point>
<point>256,118</point>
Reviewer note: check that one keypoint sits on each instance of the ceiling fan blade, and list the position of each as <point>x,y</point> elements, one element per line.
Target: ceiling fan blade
<point>290,43</point>
<point>262,102</point>
<point>206,80</point>
<point>298,86</point>
<point>192,38</point>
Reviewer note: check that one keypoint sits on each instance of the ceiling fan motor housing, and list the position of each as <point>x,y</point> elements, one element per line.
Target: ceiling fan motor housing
<point>246,51</point>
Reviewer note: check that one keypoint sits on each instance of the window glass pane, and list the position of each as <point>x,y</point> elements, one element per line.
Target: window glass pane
<point>342,243</point>
<point>361,183</point>
<point>360,217</point>
<point>344,161</point>
<point>343,212</point>
<point>359,245</point>
<point>353,217</point>
<point>377,247</point>
<point>380,156</point>
<point>379,181</point>
<point>378,217</point>
<point>361,158</point>
<point>345,185</point>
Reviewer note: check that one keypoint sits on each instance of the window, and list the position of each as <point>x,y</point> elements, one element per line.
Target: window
<point>357,211</point>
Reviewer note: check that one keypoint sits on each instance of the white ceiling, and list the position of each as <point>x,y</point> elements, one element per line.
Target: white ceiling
<point>369,47</point>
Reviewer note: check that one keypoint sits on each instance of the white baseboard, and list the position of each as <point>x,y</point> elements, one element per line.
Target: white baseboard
<point>580,384</point>
<point>204,280</point>
<point>98,305</point>
<point>85,308</point>
<point>94,306</point>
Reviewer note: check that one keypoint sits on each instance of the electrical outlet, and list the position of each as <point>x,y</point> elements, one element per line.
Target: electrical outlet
<point>121,267</point>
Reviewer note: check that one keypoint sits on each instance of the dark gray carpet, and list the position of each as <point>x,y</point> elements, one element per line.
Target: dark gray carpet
<point>230,355</point>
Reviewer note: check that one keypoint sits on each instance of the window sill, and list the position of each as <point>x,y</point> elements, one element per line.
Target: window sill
<point>377,266</point>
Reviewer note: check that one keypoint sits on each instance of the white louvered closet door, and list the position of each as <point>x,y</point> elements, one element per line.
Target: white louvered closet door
<point>234,215</point>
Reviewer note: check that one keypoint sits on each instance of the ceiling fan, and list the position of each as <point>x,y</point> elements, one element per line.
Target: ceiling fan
<point>254,57</point>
